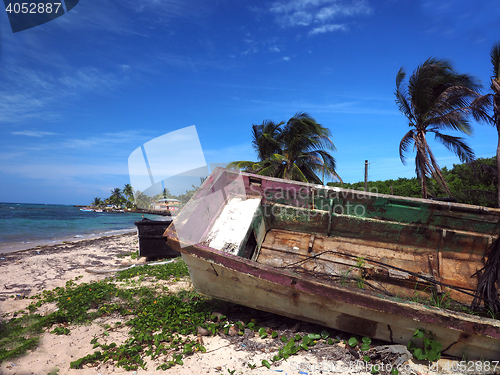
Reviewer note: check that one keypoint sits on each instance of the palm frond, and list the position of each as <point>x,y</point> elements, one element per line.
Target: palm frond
<point>456,145</point>
<point>248,166</point>
<point>271,171</point>
<point>297,174</point>
<point>481,107</point>
<point>407,140</point>
<point>495,60</point>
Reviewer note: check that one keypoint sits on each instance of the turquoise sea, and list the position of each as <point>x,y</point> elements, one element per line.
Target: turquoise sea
<point>24,226</point>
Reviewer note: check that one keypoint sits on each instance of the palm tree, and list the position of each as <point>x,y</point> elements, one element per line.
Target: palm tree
<point>116,197</point>
<point>490,103</point>
<point>142,200</point>
<point>294,150</point>
<point>436,98</point>
<point>97,202</point>
<point>128,191</point>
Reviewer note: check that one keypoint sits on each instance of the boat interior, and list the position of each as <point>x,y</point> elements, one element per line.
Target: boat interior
<point>397,246</point>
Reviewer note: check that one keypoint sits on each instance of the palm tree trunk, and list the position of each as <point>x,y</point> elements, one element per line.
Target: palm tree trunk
<point>436,172</point>
<point>498,164</point>
<point>423,183</point>
<point>421,160</point>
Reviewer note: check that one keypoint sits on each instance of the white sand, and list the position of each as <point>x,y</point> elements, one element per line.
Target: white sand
<point>30,272</point>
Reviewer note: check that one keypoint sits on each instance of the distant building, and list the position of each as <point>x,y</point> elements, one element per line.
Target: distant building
<point>168,204</point>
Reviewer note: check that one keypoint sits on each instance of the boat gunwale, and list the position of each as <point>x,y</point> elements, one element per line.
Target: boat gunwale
<point>466,207</point>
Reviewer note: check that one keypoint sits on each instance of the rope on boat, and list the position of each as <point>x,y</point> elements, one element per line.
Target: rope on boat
<point>485,297</point>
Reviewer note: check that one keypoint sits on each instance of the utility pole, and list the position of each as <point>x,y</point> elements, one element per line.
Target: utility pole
<point>366,175</point>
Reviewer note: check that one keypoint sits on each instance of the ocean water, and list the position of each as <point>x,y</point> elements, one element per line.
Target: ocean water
<point>23,226</point>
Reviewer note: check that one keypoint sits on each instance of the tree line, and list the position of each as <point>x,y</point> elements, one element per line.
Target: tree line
<point>129,198</point>
<point>119,198</point>
<point>470,183</point>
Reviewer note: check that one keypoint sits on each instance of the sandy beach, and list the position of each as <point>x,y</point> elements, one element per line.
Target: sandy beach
<point>27,273</point>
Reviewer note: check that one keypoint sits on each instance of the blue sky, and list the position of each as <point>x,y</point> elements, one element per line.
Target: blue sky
<point>79,94</point>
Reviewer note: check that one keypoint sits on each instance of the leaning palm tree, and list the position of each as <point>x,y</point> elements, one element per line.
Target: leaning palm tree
<point>434,99</point>
<point>142,200</point>
<point>295,150</point>
<point>486,108</point>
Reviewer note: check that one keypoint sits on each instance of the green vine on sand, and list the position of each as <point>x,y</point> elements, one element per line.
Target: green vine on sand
<point>429,350</point>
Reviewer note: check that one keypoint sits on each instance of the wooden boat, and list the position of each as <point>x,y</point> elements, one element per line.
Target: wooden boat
<point>350,260</point>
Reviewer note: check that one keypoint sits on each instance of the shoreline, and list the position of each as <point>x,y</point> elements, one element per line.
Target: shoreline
<point>26,226</point>
<point>12,247</point>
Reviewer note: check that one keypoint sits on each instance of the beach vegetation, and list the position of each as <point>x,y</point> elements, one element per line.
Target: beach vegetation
<point>429,349</point>
<point>19,335</point>
<point>159,324</point>
<point>298,149</point>
<point>470,183</point>
<point>435,99</point>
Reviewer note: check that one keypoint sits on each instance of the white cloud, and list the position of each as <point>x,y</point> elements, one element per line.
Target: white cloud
<point>26,94</point>
<point>21,106</point>
<point>297,19</point>
<point>318,12</point>
<point>327,28</point>
<point>33,133</point>
<point>89,79</point>
<point>106,139</point>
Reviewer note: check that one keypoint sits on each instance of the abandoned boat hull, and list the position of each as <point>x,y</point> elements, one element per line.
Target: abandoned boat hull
<point>340,307</point>
<point>238,264</point>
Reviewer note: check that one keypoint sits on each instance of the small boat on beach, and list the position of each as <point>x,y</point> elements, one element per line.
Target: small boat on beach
<point>355,261</point>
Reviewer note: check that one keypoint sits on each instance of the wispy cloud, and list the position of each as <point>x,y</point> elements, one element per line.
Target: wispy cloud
<point>348,106</point>
<point>106,140</point>
<point>26,94</point>
<point>317,13</point>
<point>253,44</point>
<point>23,106</point>
<point>33,133</point>
<point>327,28</point>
